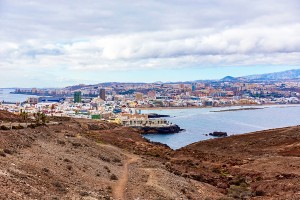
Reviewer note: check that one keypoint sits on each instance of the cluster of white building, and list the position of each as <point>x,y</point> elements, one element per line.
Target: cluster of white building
<point>100,109</point>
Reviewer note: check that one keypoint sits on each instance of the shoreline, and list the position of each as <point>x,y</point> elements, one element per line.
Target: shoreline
<point>251,105</point>
<point>237,109</point>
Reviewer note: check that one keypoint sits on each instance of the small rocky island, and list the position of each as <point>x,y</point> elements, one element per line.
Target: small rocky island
<point>155,115</point>
<point>218,134</point>
<point>168,129</point>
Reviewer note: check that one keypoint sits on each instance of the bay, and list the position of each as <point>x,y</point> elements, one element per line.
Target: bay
<point>201,121</point>
<point>5,95</point>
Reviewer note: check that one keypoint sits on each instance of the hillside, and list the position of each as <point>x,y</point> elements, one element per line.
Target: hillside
<point>80,159</point>
<point>259,165</point>
<point>289,74</point>
<point>228,79</point>
<point>84,159</point>
<point>6,116</point>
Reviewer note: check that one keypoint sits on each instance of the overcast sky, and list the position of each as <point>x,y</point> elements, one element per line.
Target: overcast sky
<point>59,43</point>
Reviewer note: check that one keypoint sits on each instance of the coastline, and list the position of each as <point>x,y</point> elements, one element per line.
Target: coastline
<point>227,106</point>
<point>197,123</point>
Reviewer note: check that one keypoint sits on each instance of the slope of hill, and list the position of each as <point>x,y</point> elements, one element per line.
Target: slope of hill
<point>228,79</point>
<point>86,159</point>
<point>7,116</point>
<point>289,74</point>
<point>80,159</point>
<point>259,165</point>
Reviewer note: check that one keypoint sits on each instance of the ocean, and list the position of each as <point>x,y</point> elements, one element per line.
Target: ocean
<point>6,96</point>
<point>198,122</point>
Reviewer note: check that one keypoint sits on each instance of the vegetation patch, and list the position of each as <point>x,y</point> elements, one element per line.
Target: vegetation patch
<point>113,177</point>
<point>239,192</point>
<point>104,158</point>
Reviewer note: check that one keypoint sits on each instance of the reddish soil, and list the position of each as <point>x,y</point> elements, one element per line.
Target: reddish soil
<point>84,159</point>
<point>6,116</point>
<point>260,165</point>
<point>75,160</point>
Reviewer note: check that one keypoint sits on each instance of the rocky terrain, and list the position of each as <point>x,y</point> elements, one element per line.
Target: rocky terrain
<point>81,159</point>
<point>6,116</point>
<point>84,159</point>
<point>260,165</point>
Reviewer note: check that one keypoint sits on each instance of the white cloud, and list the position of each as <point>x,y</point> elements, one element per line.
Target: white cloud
<point>137,35</point>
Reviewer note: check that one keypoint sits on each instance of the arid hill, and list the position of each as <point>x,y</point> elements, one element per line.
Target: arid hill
<point>260,165</point>
<point>80,159</point>
<point>6,116</point>
<point>85,159</point>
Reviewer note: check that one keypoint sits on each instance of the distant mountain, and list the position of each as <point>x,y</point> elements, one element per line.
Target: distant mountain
<point>228,79</point>
<point>285,75</point>
<point>289,74</point>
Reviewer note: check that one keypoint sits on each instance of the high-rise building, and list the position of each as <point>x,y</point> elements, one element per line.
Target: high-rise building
<point>77,97</point>
<point>32,100</point>
<point>34,91</point>
<point>102,94</point>
<point>194,87</point>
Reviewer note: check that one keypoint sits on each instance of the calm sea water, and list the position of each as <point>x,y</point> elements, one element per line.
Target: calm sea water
<point>198,122</point>
<point>5,95</point>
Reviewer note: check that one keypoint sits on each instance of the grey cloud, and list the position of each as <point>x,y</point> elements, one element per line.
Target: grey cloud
<point>124,34</point>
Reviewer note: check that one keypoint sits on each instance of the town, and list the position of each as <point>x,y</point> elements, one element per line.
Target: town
<point>114,101</point>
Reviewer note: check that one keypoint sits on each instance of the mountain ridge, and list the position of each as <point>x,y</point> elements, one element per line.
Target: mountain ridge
<point>288,74</point>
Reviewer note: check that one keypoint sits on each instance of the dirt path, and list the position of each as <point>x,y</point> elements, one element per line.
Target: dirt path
<point>119,188</point>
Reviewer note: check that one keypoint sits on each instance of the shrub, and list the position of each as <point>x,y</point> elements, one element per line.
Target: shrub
<point>113,177</point>
<point>104,158</point>
<point>2,154</point>
<point>216,170</point>
<point>45,170</point>
<point>109,188</point>
<point>183,191</point>
<point>84,193</point>
<point>7,151</point>
<point>76,144</point>
<point>116,160</point>
<point>69,167</point>
<point>259,193</point>
<point>59,186</point>
<point>239,192</point>
<point>32,126</point>
<point>107,169</point>
<point>61,142</point>
<point>66,160</point>
<point>4,128</point>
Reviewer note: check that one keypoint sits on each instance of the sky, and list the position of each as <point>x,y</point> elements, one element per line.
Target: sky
<point>58,43</point>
